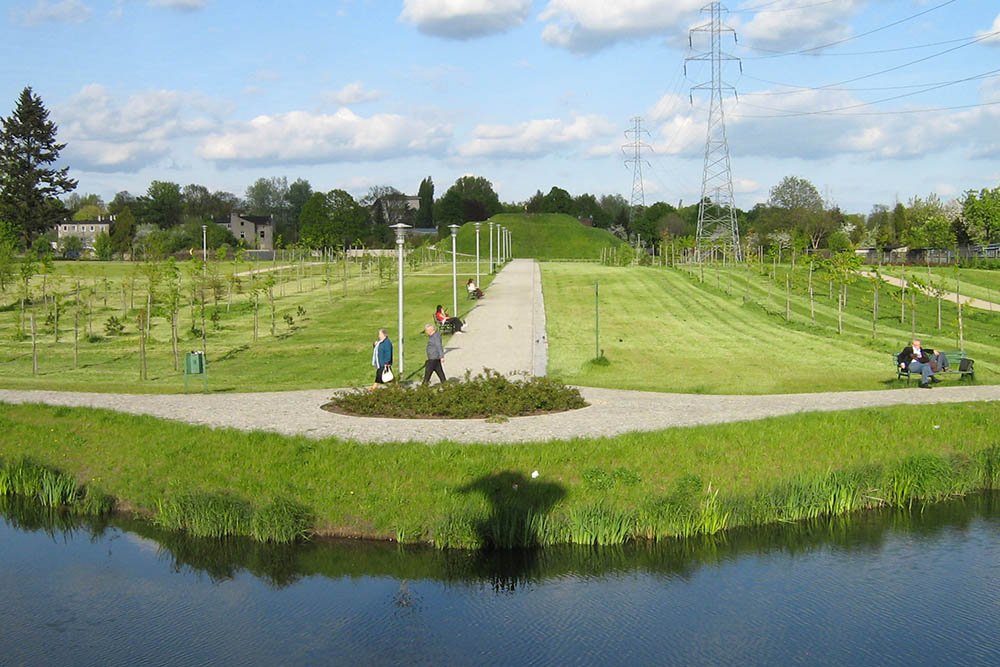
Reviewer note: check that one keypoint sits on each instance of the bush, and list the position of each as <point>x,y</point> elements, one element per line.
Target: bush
<point>485,395</point>
<point>113,326</point>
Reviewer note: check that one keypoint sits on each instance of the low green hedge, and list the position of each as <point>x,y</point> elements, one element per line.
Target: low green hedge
<point>486,395</point>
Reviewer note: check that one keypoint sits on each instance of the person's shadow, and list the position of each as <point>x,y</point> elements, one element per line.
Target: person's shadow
<point>519,506</point>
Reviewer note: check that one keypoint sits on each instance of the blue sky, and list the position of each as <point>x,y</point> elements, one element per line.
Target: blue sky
<point>354,93</point>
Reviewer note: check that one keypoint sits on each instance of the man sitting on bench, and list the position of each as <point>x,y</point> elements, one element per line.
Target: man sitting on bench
<point>916,360</point>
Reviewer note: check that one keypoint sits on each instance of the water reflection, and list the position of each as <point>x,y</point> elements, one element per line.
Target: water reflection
<point>505,571</point>
<point>900,587</point>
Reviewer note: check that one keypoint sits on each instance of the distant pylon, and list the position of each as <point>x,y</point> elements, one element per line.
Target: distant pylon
<point>717,209</point>
<point>638,200</point>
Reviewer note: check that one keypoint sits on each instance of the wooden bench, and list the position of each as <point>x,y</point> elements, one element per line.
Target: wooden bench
<point>955,364</point>
<point>444,327</point>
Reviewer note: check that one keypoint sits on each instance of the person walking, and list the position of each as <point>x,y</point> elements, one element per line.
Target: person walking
<point>381,356</point>
<point>435,354</point>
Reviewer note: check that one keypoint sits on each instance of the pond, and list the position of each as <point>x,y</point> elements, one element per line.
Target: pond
<point>890,587</point>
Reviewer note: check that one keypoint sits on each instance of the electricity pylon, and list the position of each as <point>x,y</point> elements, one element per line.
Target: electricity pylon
<point>716,210</point>
<point>638,200</point>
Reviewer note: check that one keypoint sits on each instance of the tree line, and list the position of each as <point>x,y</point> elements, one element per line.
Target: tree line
<point>35,196</point>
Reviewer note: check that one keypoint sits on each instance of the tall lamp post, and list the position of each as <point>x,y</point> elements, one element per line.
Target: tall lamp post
<point>454,271</point>
<point>491,247</point>
<point>478,225</point>
<point>204,262</point>
<point>400,240</point>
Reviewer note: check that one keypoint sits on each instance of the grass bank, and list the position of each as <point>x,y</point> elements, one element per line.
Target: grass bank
<point>675,482</point>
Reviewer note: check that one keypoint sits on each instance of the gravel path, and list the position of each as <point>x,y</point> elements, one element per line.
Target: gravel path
<point>947,296</point>
<point>520,348</point>
<point>611,412</point>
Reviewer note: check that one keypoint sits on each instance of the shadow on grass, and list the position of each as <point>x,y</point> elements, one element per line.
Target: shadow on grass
<point>519,507</point>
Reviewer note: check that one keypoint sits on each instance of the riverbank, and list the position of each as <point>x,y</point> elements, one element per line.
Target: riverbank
<point>673,482</point>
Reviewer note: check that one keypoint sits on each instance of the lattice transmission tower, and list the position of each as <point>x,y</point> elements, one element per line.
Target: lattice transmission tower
<point>716,210</point>
<point>633,152</point>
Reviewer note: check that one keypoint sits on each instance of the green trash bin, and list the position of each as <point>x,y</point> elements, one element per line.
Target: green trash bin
<point>194,364</point>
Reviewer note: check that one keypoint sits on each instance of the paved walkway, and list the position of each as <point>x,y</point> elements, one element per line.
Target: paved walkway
<point>503,326</point>
<point>947,296</point>
<point>506,334</point>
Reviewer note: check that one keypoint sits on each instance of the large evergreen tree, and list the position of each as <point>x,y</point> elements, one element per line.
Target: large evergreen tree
<point>425,215</point>
<point>29,186</point>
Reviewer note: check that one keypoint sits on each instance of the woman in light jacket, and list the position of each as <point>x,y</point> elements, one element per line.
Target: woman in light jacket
<point>381,356</point>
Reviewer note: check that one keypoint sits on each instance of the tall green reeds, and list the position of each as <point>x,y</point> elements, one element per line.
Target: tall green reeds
<point>51,488</point>
<point>221,515</point>
<point>693,508</point>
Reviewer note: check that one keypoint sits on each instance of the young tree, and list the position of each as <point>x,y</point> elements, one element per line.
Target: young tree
<point>29,186</point>
<point>123,231</point>
<point>103,247</point>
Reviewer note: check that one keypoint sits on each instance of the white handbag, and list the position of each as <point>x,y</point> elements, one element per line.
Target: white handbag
<point>387,375</point>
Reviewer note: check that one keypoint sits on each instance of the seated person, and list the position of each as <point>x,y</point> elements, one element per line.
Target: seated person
<point>441,317</point>
<point>474,289</point>
<point>916,360</point>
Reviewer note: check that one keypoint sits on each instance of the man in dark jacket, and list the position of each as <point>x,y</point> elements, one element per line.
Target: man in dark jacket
<point>435,354</point>
<point>916,360</point>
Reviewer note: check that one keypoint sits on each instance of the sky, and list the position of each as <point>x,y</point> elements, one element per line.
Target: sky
<point>873,101</point>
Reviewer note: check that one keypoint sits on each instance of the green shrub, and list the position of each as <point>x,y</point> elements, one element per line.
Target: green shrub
<point>485,395</point>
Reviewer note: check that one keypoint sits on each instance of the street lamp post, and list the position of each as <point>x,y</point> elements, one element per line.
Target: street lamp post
<point>478,225</point>
<point>491,247</point>
<point>204,262</point>
<point>400,240</point>
<point>454,271</point>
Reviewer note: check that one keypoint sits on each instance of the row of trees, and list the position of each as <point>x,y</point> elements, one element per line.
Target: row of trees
<point>794,215</point>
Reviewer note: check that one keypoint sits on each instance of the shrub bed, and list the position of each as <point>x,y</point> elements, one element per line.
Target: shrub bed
<point>486,395</point>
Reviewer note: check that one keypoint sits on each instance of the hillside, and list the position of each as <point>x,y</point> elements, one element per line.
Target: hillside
<point>542,236</point>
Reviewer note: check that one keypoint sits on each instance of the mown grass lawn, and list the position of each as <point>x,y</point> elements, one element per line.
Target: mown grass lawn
<point>662,329</point>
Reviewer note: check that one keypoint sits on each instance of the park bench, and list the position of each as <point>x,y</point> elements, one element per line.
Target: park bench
<point>959,365</point>
<point>445,327</point>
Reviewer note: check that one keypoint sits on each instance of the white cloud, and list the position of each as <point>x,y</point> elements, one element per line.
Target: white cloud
<point>352,93</point>
<point>787,23</point>
<point>465,19</point>
<point>102,134</point>
<point>589,25</point>
<point>182,5</point>
<point>993,30</point>
<point>777,132</point>
<point>299,137</point>
<point>535,137</point>
<point>43,11</point>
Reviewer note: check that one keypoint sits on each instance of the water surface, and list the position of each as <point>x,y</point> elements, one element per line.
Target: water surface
<point>920,587</point>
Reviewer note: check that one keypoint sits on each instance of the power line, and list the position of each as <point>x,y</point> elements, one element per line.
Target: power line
<point>864,53</point>
<point>638,199</point>
<point>890,69</point>
<point>716,208</point>
<point>800,89</point>
<point>874,113</point>
<point>860,35</point>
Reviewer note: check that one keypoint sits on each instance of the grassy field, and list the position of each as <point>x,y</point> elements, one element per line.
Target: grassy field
<point>334,317</point>
<point>678,481</point>
<point>662,329</point>
<point>542,236</point>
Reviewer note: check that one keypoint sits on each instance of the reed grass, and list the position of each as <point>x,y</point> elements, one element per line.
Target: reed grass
<point>51,488</point>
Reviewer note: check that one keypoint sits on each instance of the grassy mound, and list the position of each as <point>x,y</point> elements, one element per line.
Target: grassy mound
<point>486,395</point>
<point>542,236</point>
